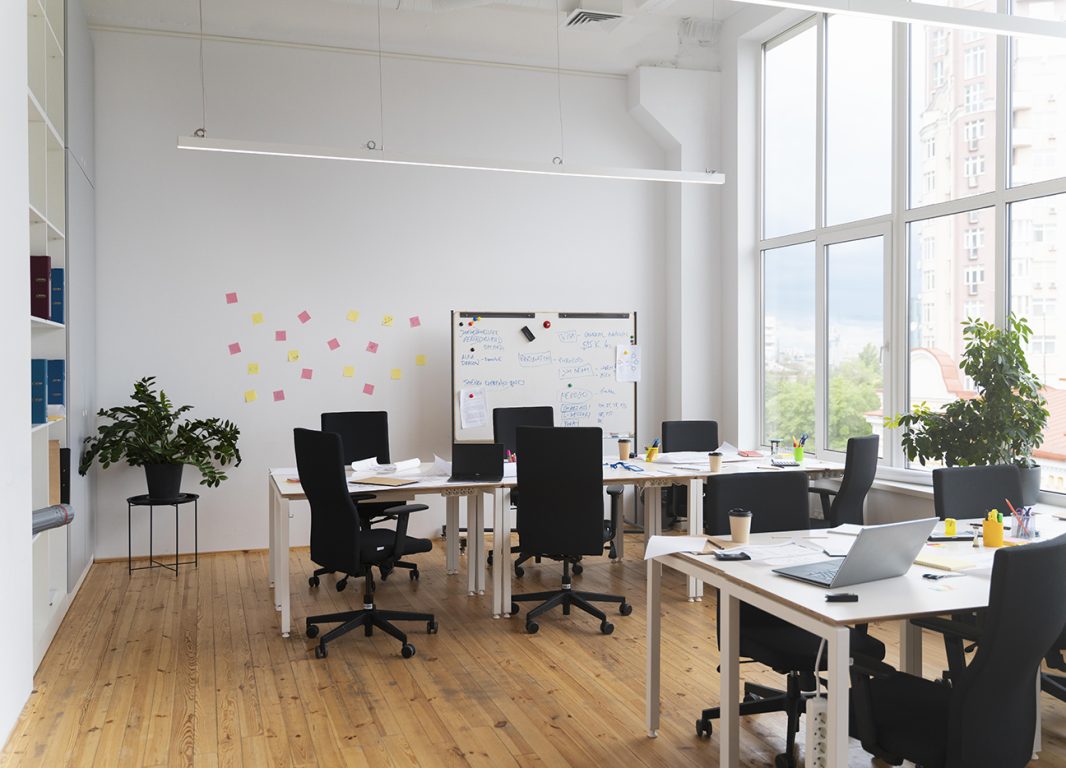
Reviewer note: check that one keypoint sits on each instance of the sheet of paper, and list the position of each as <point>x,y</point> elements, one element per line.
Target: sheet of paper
<point>683,457</point>
<point>231,297</point>
<point>414,321</point>
<point>441,466</point>
<point>279,395</point>
<point>473,411</point>
<point>307,373</point>
<point>250,396</point>
<point>257,318</point>
<point>304,316</point>
<point>333,345</point>
<point>253,369</point>
<point>420,359</point>
<point>280,336</point>
<point>348,371</point>
<point>352,316</point>
<point>387,321</point>
<point>365,465</point>
<point>372,347</point>
<point>627,362</point>
<point>395,374</point>
<point>235,348</point>
<point>846,529</point>
<point>510,469</point>
<point>368,389</point>
<point>668,545</point>
<point>294,355</point>
<point>405,465</point>
<point>779,553</point>
<point>729,453</point>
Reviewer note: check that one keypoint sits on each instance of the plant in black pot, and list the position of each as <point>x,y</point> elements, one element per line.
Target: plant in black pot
<point>154,434</point>
<point>1002,424</point>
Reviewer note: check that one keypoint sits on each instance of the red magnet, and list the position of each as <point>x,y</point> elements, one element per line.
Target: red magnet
<point>471,395</point>
<point>547,323</point>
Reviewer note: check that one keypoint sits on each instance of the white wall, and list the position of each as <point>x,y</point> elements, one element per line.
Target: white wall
<point>16,669</point>
<point>176,231</point>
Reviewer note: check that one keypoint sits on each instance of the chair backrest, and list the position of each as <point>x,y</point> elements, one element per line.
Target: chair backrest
<point>560,476</point>
<point>505,421</point>
<point>334,519</point>
<point>364,434</point>
<point>778,501</point>
<point>860,466</point>
<point>992,717</point>
<point>690,436</point>
<point>964,492</point>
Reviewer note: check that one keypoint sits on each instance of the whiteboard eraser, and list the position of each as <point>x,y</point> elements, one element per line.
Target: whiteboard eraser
<point>527,333</point>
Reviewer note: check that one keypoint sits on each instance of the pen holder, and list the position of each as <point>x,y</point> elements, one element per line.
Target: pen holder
<point>992,533</point>
<point>1028,530</point>
<point>652,453</point>
<point>797,454</point>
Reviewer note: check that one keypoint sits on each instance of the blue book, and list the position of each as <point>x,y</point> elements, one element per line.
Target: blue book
<point>39,391</point>
<point>57,375</point>
<point>58,285</point>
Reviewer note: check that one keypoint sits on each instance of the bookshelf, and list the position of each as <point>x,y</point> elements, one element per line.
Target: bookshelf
<point>46,113</point>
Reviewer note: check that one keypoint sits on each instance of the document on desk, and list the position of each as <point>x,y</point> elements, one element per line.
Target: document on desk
<point>730,453</point>
<point>473,411</point>
<point>669,545</point>
<point>780,554</point>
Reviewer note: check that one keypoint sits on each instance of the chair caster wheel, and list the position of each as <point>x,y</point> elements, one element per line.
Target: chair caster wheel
<point>407,651</point>
<point>784,761</point>
<point>606,627</point>
<point>312,630</point>
<point>519,571</point>
<point>514,608</point>
<point>313,581</point>
<point>578,569</point>
<point>342,584</point>
<point>431,627</point>
<point>320,652</point>
<point>385,575</point>
<point>625,609</point>
<point>414,576</point>
<point>703,729</point>
<point>532,627</point>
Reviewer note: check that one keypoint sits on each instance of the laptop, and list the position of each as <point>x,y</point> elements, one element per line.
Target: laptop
<point>879,552</point>
<point>477,463</point>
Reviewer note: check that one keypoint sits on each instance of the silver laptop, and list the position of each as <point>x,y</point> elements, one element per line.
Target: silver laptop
<point>879,552</point>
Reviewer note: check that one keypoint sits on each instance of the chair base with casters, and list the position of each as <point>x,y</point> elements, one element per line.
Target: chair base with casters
<point>569,598</point>
<point>368,617</point>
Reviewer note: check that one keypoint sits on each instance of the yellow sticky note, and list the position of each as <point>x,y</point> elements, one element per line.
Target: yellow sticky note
<point>257,318</point>
<point>349,371</point>
<point>253,368</point>
<point>294,355</point>
<point>395,376</point>
<point>420,359</point>
<point>249,396</point>
<point>387,321</point>
<point>353,315</point>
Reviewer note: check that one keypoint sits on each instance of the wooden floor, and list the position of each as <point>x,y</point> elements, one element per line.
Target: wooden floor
<point>153,670</point>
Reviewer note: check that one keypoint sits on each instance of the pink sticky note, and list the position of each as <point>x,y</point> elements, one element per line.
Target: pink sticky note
<point>372,347</point>
<point>415,322</point>
<point>368,389</point>
<point>280,335</point>
<point>306,373</point>
<point>333,344</point>
<point>304,316</point>
<point>231,297</point>
<point>279,395</point>
<point>235,348</point>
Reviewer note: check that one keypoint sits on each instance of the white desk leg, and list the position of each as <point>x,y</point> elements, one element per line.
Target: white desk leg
<point>451,545</point>
<point>839,655</point>
<point>475,536</point>
<point>282,596</point>
<point>653,512</point>
<point>481,553</point>
<point>272,550</point>
<point>504,569</point>
<point>910,648</point>
<point>729,698</point>
<point>695,528</point>
<point>500,552</point>
<point>655,620</point>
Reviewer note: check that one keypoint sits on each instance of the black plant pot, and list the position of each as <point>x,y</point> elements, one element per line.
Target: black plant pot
<point>1030,485</point>
<point>164,480</point>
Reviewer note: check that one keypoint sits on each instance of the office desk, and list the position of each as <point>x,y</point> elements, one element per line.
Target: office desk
<point>804,605</point>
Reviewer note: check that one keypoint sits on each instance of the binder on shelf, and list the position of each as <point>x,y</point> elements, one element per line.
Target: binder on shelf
<point>64,475</point>
<point>39,390</point>
<point>58,288</point>
<point>57,380</point>
<point>54,478</point>
<point>40,287</point>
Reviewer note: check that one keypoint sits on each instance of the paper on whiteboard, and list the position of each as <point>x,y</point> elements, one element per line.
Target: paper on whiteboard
<point>473,412</point>
<point>627,362</point>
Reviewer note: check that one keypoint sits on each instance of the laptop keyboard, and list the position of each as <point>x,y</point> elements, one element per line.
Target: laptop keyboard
<point>826,574</point>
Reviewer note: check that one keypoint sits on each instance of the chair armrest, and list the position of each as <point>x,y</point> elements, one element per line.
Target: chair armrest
<point>615,490</point>
<point>401,514</point>
<point>822,490</point>
<point>949,627</point>
<point>361,496</point>
<point>870,667</point>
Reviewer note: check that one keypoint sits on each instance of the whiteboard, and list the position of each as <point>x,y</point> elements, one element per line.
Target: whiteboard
<point>569,365</point>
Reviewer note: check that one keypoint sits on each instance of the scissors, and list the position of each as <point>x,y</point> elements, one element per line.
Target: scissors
<point>623,465</point>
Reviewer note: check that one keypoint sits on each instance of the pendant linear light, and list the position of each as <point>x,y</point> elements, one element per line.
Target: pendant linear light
<point>372,152</point>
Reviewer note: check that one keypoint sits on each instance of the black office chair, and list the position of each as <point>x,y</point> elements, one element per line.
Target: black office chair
<point>364,435</point>
<point>340,543</point>
<point>987,717</point>
<point>560,474</point>
<point>778,502</point>
<point>687,435</point>
<point>860,466</point>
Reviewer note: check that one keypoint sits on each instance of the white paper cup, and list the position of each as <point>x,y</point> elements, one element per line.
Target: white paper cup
<point>739,525</point>
<point>715,460</point>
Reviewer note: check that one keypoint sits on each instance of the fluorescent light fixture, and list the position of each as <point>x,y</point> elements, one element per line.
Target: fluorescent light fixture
<point>234,146</point>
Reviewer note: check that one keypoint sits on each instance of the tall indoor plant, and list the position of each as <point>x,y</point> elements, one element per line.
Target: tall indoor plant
<point>1003,423</point>
<point>153,434</point>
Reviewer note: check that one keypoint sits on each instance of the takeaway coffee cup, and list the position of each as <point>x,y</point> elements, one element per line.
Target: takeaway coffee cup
<point>739,525</point>
<point>715,459</point>
<point>624,446</point>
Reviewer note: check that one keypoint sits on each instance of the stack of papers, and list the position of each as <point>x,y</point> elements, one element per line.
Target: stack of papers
<point>669,545</point>
<point>371,465</point>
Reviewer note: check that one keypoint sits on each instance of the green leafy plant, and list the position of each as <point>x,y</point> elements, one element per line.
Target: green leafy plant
<point>153,431</point>
<point>1003,424</point>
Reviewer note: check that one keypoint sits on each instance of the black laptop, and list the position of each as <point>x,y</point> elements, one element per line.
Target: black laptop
<point>477,463</point>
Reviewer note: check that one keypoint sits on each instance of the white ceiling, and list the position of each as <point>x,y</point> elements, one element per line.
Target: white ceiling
<point>523,32</point>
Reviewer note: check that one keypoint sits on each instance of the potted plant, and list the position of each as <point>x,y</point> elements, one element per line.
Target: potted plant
<point>1003,423</point>
<point>152,434</point>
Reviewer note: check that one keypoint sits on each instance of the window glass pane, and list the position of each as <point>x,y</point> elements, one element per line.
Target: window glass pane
<point>858,118</point>
<point>952,278</point>
<point>1038,100</point>
<point>952,111</point>
<point>790,102</point>
<point>855,316</point>
<point>789,342</point>
<point>1038,273</point>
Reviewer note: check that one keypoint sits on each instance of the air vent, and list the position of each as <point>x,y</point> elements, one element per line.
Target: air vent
<point>582,17</point>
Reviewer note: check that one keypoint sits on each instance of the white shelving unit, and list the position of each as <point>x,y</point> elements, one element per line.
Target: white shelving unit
<point>46,112</point>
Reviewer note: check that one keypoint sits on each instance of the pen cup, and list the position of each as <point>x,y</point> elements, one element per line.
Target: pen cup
<point>797,454</point>
<point>951,526</point>
<point>624,446</point>
<point>651,454</point>
<point>715,460</point>
<point>1027,530</point>
<point>992,533</point>
<point>739,525</point>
